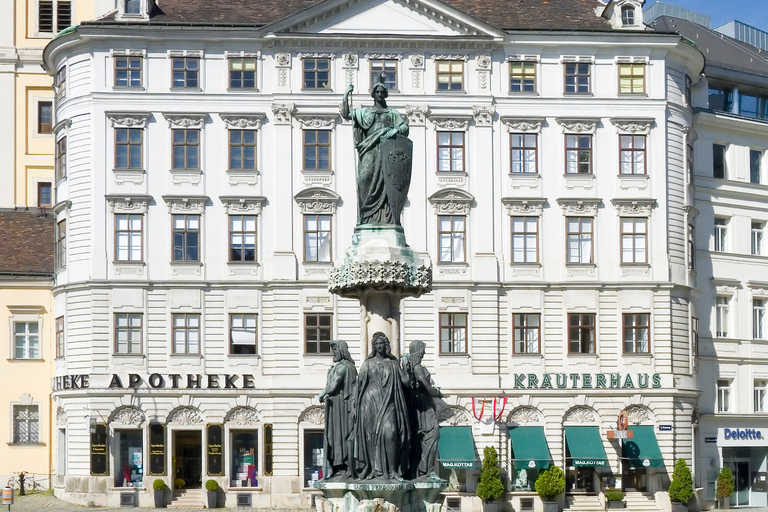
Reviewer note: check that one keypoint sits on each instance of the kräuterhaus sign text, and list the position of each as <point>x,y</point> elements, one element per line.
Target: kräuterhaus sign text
<point>587,380</point>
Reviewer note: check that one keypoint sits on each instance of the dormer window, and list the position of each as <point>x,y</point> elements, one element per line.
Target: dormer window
<point>132,6</point>
<point>627,16</point>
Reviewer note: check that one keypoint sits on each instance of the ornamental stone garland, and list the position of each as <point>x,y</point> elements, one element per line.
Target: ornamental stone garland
<point>411,278</point>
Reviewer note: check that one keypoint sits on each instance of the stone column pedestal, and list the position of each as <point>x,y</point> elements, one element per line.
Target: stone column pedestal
<point>379,269</point>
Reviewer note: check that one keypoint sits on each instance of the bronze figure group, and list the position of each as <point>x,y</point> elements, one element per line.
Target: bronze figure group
<point>381,423</point>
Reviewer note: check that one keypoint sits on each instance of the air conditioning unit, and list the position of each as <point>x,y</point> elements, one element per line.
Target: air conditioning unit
<point>244,499</point>
<point>128,499</point>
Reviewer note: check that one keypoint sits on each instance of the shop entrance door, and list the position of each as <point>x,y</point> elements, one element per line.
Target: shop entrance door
<point>188,458</point>
<point>740,496</point>
<point>634,479</point>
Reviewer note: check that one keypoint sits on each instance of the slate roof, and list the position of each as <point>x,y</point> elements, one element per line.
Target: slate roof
<point>502,14</point>
<point>720,51</point>
<point>26,242</point>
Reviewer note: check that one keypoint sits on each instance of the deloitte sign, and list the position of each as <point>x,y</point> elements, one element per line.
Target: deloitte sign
<point>741,437</point>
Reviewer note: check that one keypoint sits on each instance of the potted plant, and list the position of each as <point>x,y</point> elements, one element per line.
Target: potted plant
<point>724,488</point>
<point>179,483</point>
<point>489,488</point>
<point>614,498</point>
<point>681,487</point>
<point>159,487</point>
<point>549,485</point>
<point>212,488</point>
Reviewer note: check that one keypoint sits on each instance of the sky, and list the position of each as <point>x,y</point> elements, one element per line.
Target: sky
<point>751,12</point>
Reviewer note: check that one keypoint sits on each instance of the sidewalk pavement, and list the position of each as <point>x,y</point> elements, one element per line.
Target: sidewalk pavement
<point>48,503</point>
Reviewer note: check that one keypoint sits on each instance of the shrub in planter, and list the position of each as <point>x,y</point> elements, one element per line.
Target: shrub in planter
<point>550,484</point>
<point>179,483</point>
<point>724,487</point>
<point>212,488</point>
<point>615,498</point>
<point>681,487</point>
<point>489,488</point>
<point>158,486</point>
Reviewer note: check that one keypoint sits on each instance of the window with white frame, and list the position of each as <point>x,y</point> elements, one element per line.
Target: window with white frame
<point>128,237</point>
<point>60,162</point>
<point>451,235</point>
<point>26,424</point>
<point>186,333</point>
<point>761,389</point>
<point>636,333</point>
<point>634,240</point>
<point>523,152</point>
<point>723,395</point>
<point>317,238</point>
<point>721,234</point>
<point>128,333</point>
<point>758,319</point>
<point>59,323</point>
<point>26,340</point>
<point>53,15</point>
<point>757,238</point>
<point>60,82</point>
<point>525,239</point>
<point>242,333</point>
<point>527,333</point>
<point>579,239</point>
<point>453,333</point>
<point>627,15</point>
<point>132,7</point>
<point>722,316</point>
<point>61,244</point>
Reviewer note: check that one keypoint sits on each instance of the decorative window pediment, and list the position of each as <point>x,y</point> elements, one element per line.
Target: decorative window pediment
<point>243,121</point>
<point>128,415</point>
<point>317,122</point>
<point>580,125</point>
<point>185,416</point>
<point>454,416</point>
<point>313,415</point>
<point>197,54</point>
<point>632,126</point>
<point>579,206</point>
<point>525,416</point>
<point>317,200</point>
<point>580,415</point>
<point>122,203</point>
<point>316,55</point>
<point>725,287</point>
<point>448,122</point>
<point>452,201</point>
<point>634,207</point>
<point>523,205</point>
<point>465,58</point>
<point>758,288</point>
<point>523,125</point>
<point>186,204</point>
<point>186,120</point>
<point>243,416</point>
<point>128,120</point>
<point>241,204</point>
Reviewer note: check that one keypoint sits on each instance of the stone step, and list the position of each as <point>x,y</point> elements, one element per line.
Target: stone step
<point>584,503</point>
<point>187,498</point>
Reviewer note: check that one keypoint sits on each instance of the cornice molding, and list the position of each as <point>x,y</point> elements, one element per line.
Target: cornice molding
<point>243,121</point>
<point>633,207</point>
<point>129,119</point>
<point>186,121</point>
<point>243,204</point>
<point>452,201</point>
<point>586,207</point>
<point>578,125</point>
<point>128,203</point>
<point>523,125</point>
<point>317,122</point>
<point>186,204</point>
<point>317,200</point>
<point>524,205</point>
<point>632,126</point>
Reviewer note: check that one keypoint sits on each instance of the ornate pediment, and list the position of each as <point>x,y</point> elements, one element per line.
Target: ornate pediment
<point>452,201</point>
<point>124,203</point>
<point>525,416</point>
<point>128,415</point>
<point>243,416</point>
<point>580,415</point>
<point>186,204</point>
<point>186,121</point>
<point>454,416</point>
<point>452,123</point>
<point>638,415</point>
<point>523,205</point>
<point>128,120</point>
<point>313,415</point>
<point>580,125</point>
<point>185,416</point>
<point>243,204</point>
<point>243,121</point>
<point>317,200</point>
<point>634,207</point>
<point>579,206</point>
<point>316,122</point>
<point>523,125</point>
<point>632,126</point>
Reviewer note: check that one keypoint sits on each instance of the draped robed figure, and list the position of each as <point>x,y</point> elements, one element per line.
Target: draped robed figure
<point>382,435</point>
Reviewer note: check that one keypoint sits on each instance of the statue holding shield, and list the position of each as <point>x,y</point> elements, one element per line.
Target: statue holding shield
<point>384,158</point>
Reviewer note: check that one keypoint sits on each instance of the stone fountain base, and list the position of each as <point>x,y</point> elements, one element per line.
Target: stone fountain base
<point>381,496</point>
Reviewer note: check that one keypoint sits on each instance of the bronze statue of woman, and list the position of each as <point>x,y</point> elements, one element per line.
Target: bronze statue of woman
<point>382,431</point>
<point>383,168</point>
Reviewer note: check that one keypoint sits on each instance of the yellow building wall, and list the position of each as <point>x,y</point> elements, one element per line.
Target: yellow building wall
<point>26,382</point>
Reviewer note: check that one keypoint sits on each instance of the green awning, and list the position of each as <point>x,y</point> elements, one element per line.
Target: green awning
<point>643,449</point>
<point>530,447</point>
<point>456,447</point>
<point>585,446</point>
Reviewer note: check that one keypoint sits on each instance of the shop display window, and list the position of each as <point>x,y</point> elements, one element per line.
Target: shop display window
<point>314,458</point>
<point>524,479</point>
<point>129,458</point>
<point>244,472</point>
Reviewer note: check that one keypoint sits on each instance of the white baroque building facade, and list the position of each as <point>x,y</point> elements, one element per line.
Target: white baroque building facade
<point>207,184</point>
